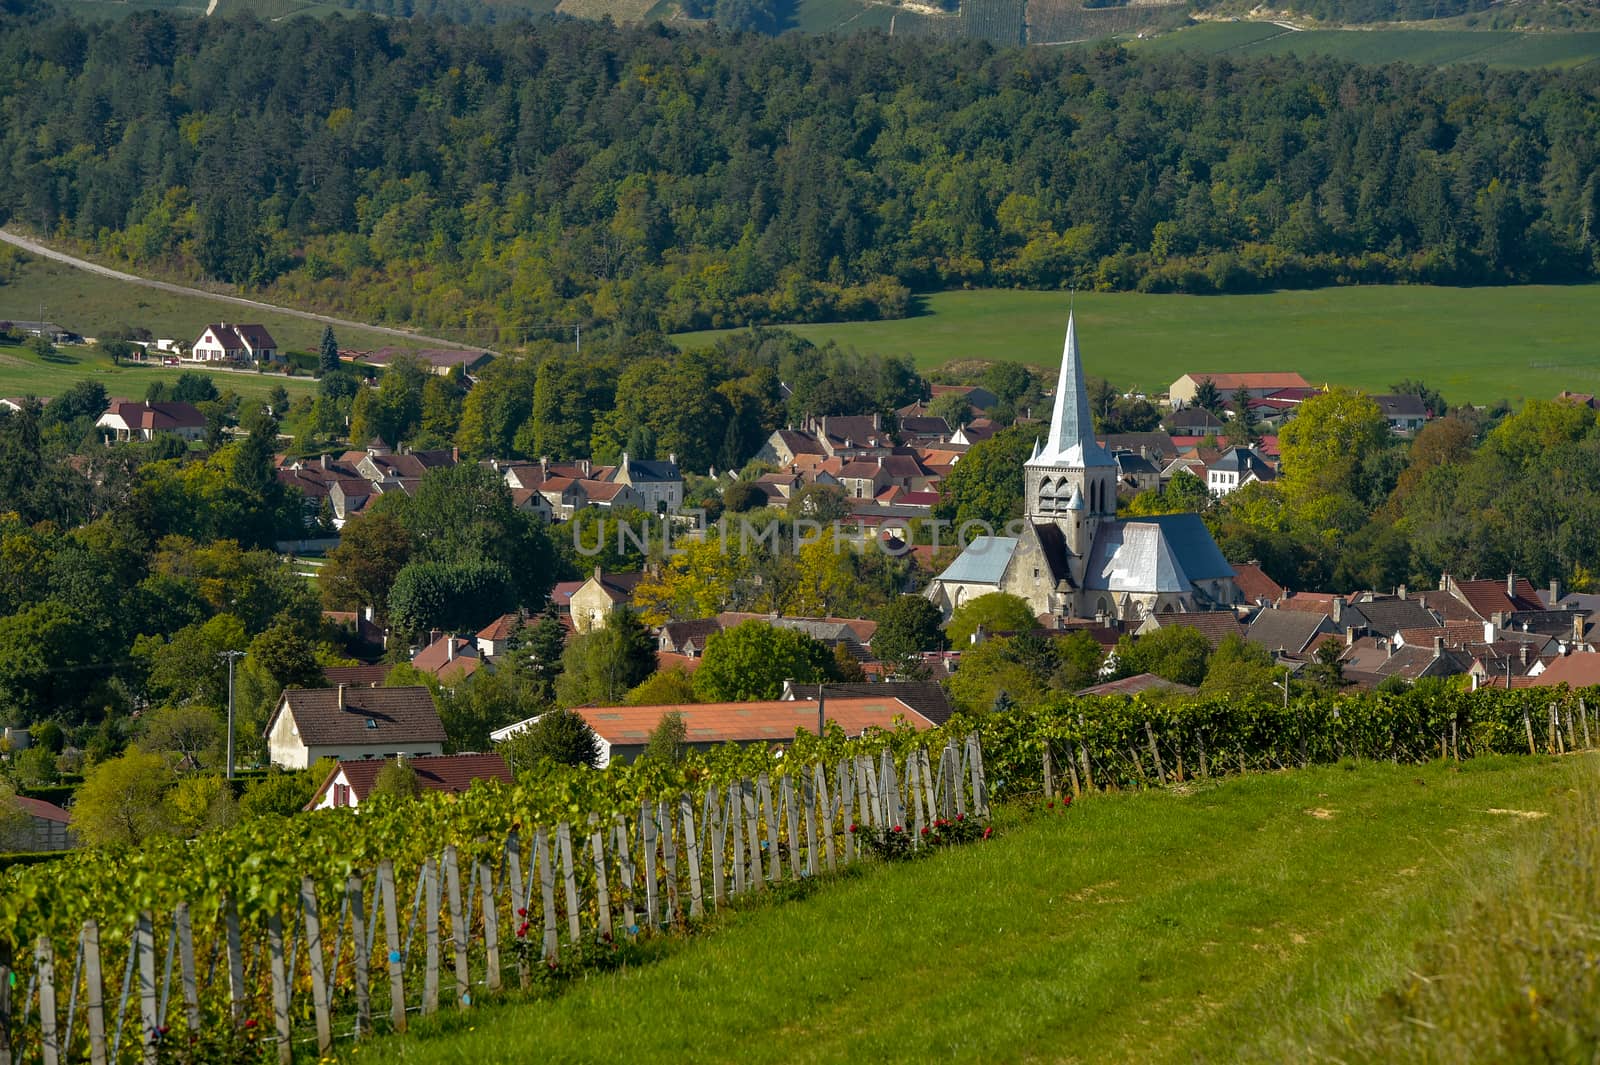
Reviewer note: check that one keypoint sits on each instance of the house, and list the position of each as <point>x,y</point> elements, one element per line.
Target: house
<point>1139,682</point>
<point>48,828</point>
<point>449,658</point>
<point>349,783</point>
<point>441,361</point>
<point>495,638</point>
<point>980,398</point>
<point>1414,663</point>
<point>1575,671</point>
<point>127,420</point>
<point>596,597</point>
<point>1155,446</point>
<point>1214,625</point>
<point>1288,633</point>
<point>358,676</point>
<point>686,638</point>
<point>1235,468</point>
<point>1405,414</point>
<point>835,436</point>
<point>350,723</point>
<point>1135,472</point>
<point>1071,556</point>
<point>1255,586</point>
<point>1485,599</point>
<point>922,429</point>
<point>49,330</point>
<point>624,731</point>
<point>234,343</point>
<point>658,485</point>
<point>1192,421</point>
<point>1259,385</point>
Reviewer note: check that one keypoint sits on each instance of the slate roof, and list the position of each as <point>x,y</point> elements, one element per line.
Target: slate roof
<point>983,561</point>
<point>1289,631</point>
<point>1389,616</point>
<point>435,772</point>
<point>1401,406</point>
<point>1139,682</point>
<point>924,425</point>
<point>1158,444</point>
<point>767,721</point>
<point>1193,418</point>
<point>401,715</point>
<point>652,470</point>
<point>927,698</point>
<point>1414,663</point>
<point>678,634</point>
<point>1163,553</point>
<point>1455,633</point>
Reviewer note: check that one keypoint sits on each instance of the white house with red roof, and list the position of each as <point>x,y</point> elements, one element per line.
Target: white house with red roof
<point>222,342</point>
<point>128,419</point>
<point>1259,385</point>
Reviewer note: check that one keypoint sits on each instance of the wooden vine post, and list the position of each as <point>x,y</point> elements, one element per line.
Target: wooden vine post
<point>360,959</point>
<point>391,940</point>
<point>44,958</point>
<point>319,978</point>
<point>94,993</point>
<point>149,1017</point>
<point>280,990</point>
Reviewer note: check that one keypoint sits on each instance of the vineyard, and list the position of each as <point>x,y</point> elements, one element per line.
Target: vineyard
<point>246,944</point>
<point>1067,21</point>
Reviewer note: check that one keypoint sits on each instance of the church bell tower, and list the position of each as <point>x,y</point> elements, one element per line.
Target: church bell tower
<point>1071,481</point>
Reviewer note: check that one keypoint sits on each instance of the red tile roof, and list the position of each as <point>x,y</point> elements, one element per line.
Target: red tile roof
<point>1254,583</point>
<point>1489,597</point>
<point>46,811</point>
<point>1141,682</point>
<point>435,772</point>
<point>769,721</point>
<point>1577,671</point>
<point>1227,382</point>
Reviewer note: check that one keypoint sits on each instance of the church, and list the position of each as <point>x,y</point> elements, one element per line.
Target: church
<point>1071,556</point>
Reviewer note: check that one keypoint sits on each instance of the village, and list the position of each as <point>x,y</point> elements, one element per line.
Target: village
<point>1078,565</point>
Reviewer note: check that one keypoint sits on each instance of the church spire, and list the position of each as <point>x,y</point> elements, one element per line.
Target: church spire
<point>1071,441</point>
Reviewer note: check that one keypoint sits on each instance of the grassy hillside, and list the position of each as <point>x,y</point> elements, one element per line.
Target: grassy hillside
<point>90,304</point>
<point>1475,345</point>
<point>1433,47</point>
<point>23,373</point>
<point>1206,924</point>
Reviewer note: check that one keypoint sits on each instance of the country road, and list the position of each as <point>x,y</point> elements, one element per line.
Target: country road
<point>33,247</point>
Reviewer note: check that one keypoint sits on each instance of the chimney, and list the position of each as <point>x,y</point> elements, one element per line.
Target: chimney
<point>1438,646</point>
<point>597,574</point>
<point>450,648</point>
<point>1555,593</point>
<point>1577,630</point>
<point>875,423</point>
<point>366,612</point>
<point>433,635</point>
<point>455,454</point>
<point>1349,636</point>
<point>341,697</point>
<point>1511,583</point>
<point>1488,632</point>
<point>1524,655</point>
<point>1388,646</point>
<point>322,460</point>
<point>1338,609</point>
<point>1400,593</point>
<point>977,636</point>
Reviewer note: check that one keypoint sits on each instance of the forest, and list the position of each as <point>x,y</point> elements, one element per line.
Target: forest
<point>500,181</point>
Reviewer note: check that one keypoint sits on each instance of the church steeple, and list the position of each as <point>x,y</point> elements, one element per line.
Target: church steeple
<point>1071,441</point>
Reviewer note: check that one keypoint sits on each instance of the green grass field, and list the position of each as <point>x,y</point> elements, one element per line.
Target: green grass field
<point>22,373</point>
<point>88,304</point>
<point>1214,923</point>
<point>1429,47</point>
<point>1475,345</point>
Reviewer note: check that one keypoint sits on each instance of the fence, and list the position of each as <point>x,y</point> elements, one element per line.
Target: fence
<point>273,956</point>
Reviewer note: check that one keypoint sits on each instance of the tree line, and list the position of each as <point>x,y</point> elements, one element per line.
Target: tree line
<point>493,180</point>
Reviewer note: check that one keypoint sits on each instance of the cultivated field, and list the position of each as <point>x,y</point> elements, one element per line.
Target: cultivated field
<point>1434,47</point>
<point>22,373</point>
<point>1219,922</point>
<point>1475,345</point>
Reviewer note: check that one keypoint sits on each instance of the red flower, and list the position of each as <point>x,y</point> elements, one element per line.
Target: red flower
<point>988,832</point>
<point>853,827</point>
<point>250,1022</point>
<point>897,828</point>
<point>924,830</point>
<point>961,817</point>
<point>522,911</point>
<point>1052,804</point>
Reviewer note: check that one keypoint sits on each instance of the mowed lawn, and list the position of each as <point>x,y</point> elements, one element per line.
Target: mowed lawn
<point>1203,925</point>
<point>22,373</point>
<point>1436,46</point>
<point>1475,345</point>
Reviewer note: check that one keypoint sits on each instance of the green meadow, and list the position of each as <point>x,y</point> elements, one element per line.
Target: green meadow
<point>1427,47</point>
<point>1222,921</point>
<point>1474,344</point>
<point>22,373</point>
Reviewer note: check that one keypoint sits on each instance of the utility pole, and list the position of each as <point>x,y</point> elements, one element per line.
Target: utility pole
<point>231,656</point>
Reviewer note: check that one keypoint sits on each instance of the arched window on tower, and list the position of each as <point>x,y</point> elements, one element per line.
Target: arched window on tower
<point>1047,497</point>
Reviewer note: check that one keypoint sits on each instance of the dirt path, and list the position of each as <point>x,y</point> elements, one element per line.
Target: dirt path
<point>33,247</point>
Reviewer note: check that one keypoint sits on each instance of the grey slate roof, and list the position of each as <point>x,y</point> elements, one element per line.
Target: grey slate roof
<point>653,470</point>
<point>1287,630</point>
<point>927,698</point>
<point>983,561</point>
<point>1157,554</point>
<point>1214,625</point>
<point>400,715</point>
<point>1389,616</point>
